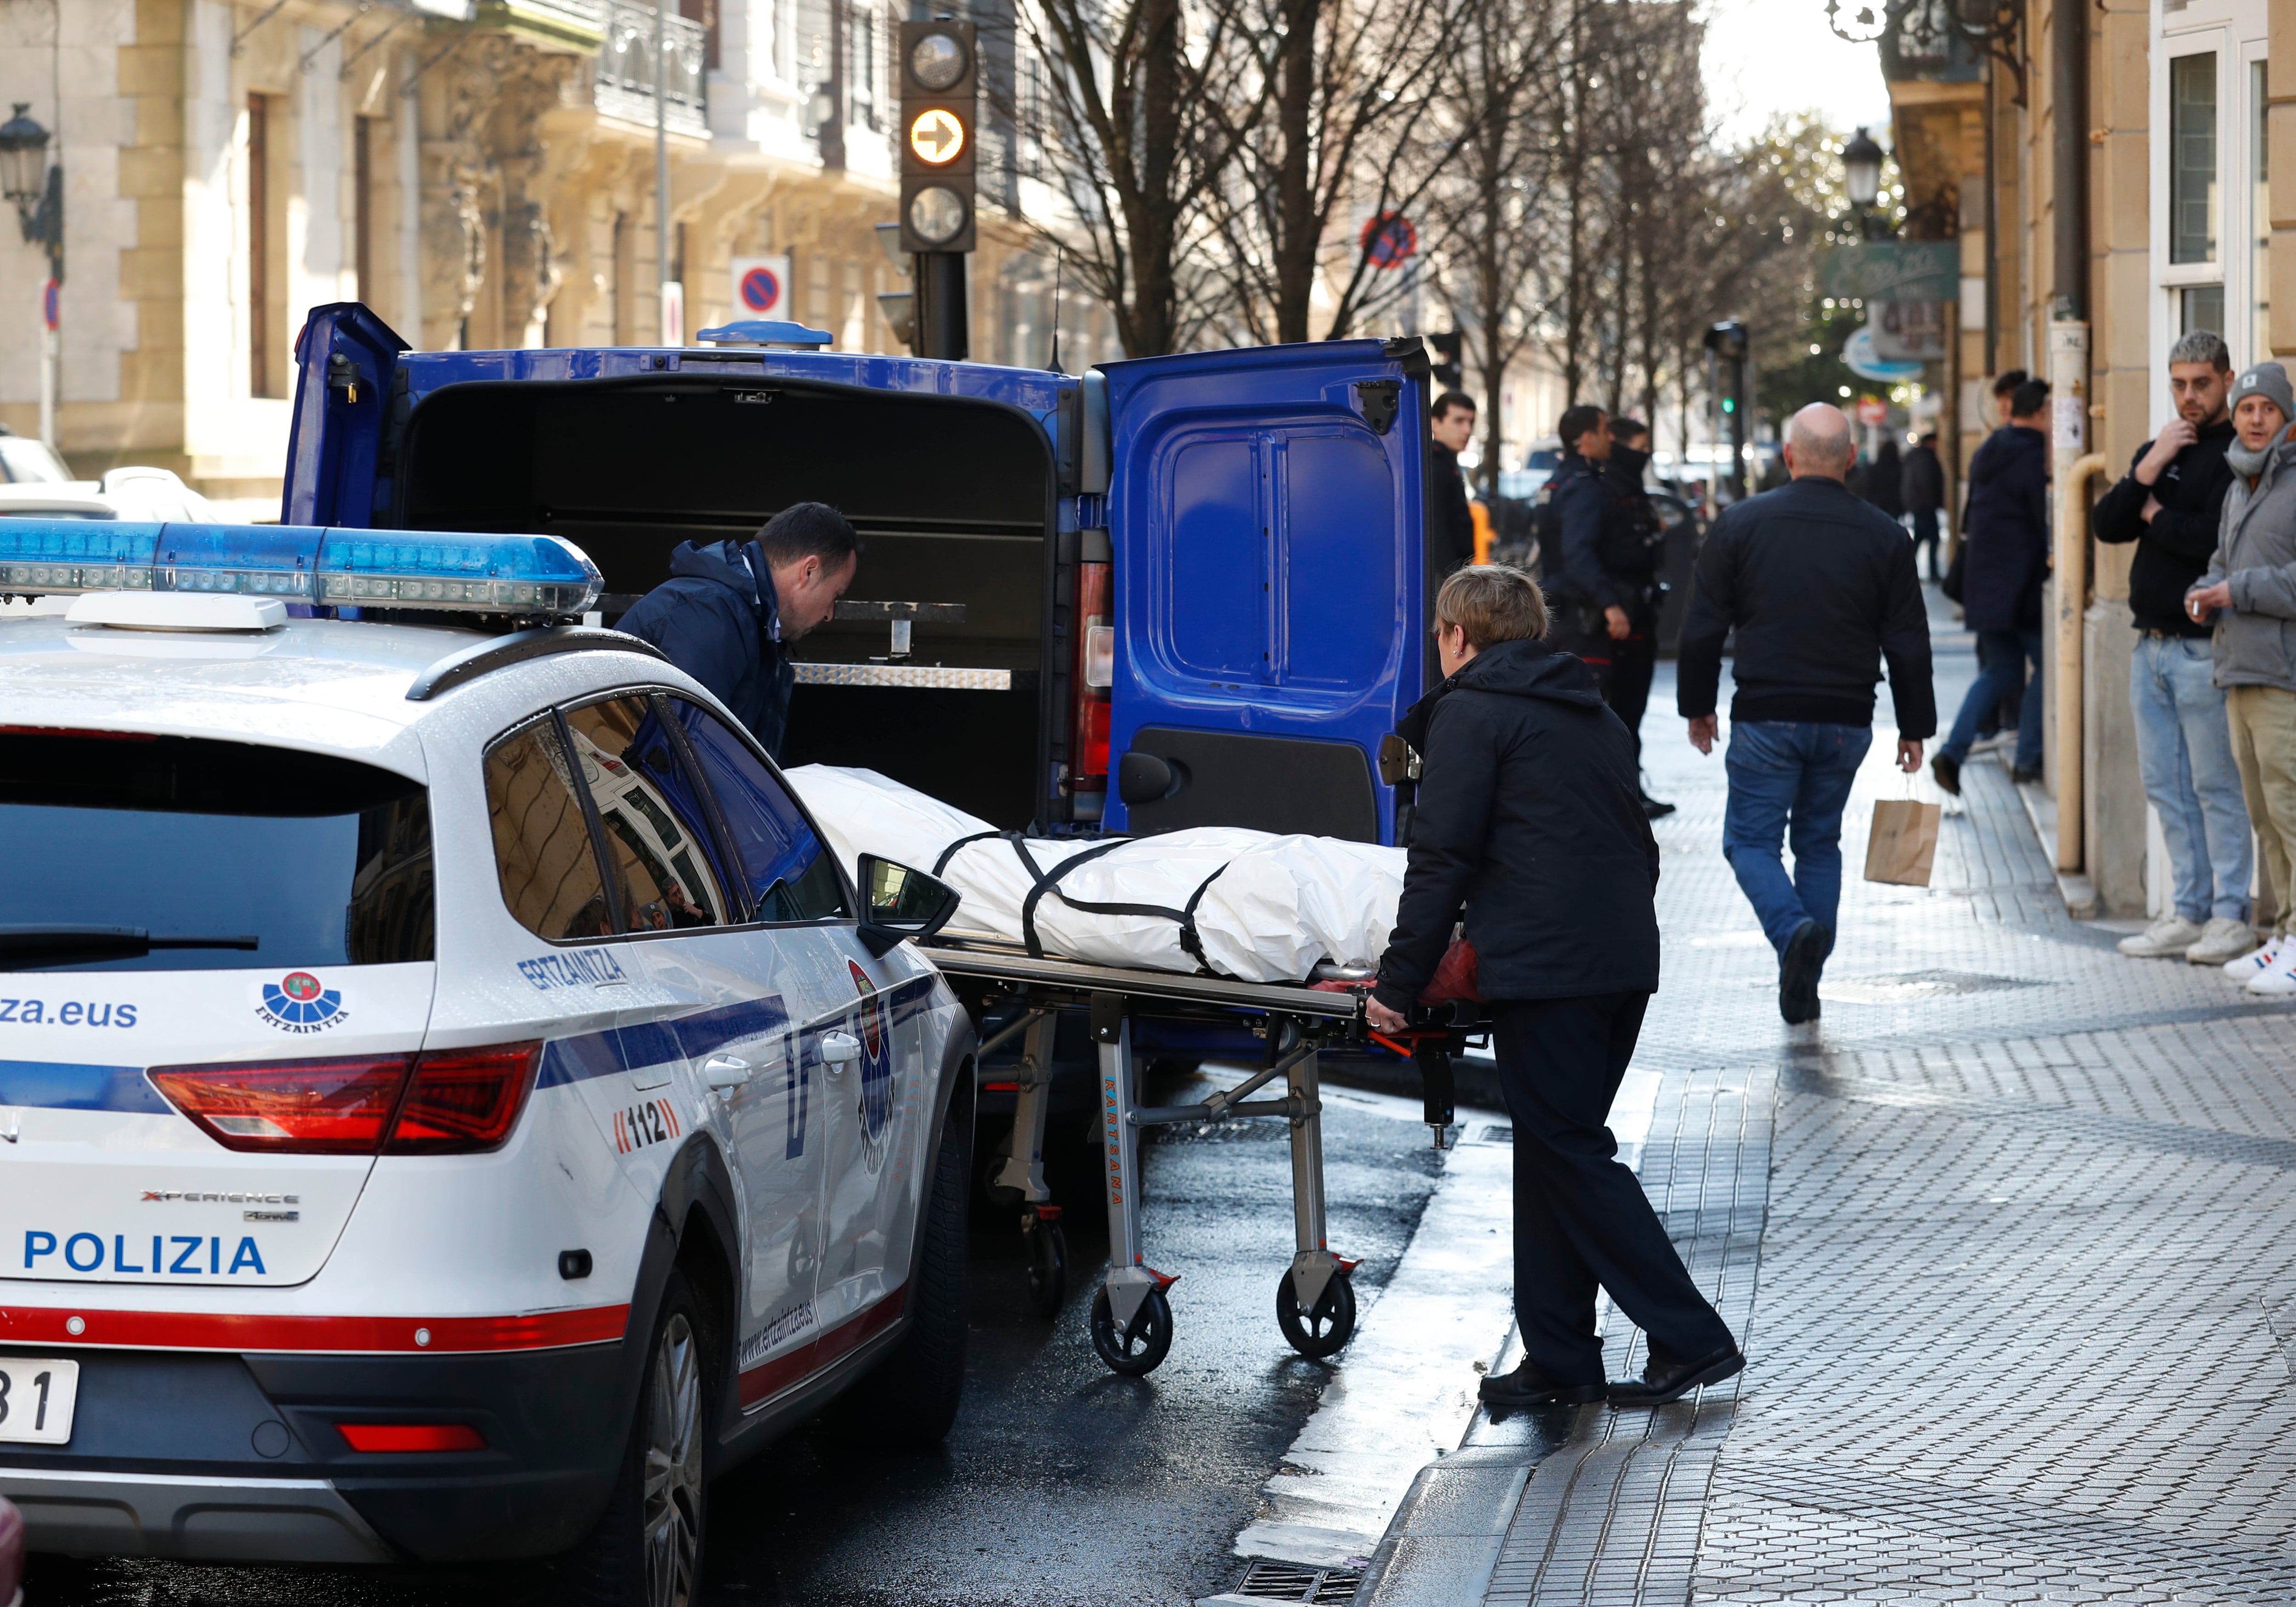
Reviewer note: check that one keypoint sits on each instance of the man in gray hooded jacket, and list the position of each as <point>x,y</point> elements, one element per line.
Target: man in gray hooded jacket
<point>2250,593</point>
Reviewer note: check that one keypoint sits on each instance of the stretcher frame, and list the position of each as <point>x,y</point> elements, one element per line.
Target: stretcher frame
<point>1296,1022</point>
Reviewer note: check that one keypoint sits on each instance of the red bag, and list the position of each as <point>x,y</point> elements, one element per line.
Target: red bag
<point>1454,977</point>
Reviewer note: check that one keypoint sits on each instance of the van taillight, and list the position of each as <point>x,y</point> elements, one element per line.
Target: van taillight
<point>1094,674</point>
<point>456,1101</point>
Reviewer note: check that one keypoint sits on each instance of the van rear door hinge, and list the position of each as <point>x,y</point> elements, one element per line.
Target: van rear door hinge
<point>344,377</point>
<point>1380,400</point>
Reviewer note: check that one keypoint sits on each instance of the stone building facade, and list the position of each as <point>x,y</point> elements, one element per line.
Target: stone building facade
<point>480,172</point>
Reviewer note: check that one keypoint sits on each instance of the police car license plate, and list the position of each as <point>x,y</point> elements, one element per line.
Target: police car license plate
<point>36,1397</point>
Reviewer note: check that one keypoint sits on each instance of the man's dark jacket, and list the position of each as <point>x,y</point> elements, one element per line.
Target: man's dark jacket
<point>1596,562</point>
<point>716,617</point>
<point>2173,550</point>
<point>2007,531</point>
<point>1529,815</point>
<point>1821,588</point>
<point>1923,483</point>
<point>1454,527</point>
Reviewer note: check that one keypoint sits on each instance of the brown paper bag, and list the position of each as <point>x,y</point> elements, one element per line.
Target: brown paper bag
<point>1903,841</point>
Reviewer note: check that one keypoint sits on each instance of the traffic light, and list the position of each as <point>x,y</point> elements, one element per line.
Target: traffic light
<point>939,67</point>
<point>1450,374</point>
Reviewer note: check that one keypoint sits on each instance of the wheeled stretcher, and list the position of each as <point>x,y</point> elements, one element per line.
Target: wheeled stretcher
<point>1289,1025</point>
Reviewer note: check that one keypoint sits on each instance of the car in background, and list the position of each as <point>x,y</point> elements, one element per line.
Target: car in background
<point>148,495</point>
<point>27,462</point>
<point>1538,466</point>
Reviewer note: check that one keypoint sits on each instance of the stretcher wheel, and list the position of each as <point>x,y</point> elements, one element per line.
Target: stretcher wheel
<point>1048,1268</point>
<point>1136,1350</point>
<point>1322,1332</point>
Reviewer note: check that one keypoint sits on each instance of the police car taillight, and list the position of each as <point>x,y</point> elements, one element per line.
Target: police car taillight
<point>464,1100</point>
<point>448,1102</point>
<point>300,563</point>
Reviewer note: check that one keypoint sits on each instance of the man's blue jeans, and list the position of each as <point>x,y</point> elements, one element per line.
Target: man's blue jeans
<point>2183,752</point>
<point>1998,657</point>
<point>1789,780</point>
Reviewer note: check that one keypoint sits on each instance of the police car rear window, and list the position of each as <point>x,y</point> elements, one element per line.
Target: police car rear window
<point>169,853</point>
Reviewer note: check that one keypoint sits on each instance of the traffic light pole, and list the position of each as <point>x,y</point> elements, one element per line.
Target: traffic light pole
<point>943,323</point>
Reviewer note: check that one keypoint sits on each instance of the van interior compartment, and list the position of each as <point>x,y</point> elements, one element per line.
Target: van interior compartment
<point>954,499</point>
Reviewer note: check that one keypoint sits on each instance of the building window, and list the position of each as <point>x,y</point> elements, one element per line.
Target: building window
<point>362,209</point>
<point>862,69</point>
<point>2193,158</point>
<point>2200,307</point>
<point>2259,217</point>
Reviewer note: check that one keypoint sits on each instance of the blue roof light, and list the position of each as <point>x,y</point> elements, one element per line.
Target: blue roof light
<point>302,563</point>
<point>765,331</point>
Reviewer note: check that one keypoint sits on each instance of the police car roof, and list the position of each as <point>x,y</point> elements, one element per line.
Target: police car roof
<point>338,685</point>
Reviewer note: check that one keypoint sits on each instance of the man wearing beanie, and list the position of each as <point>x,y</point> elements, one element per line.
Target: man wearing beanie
<point>2249,595</point>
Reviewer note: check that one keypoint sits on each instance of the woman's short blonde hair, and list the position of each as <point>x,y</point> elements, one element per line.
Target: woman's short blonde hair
<point>1492,603</point>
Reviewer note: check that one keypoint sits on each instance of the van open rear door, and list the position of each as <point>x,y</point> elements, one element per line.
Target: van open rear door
<point>346,360</point>
<point>1265,509</point>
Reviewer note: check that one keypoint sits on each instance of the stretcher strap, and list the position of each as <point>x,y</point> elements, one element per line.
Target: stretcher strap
<point>949,852</point>
<point>1190,940</point>
<point>1044,882</point>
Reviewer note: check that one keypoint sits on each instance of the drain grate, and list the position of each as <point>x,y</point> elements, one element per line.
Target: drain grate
<point>1295,1583</point>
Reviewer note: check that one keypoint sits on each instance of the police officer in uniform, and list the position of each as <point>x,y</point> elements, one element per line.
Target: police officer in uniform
<point>1602,564</point>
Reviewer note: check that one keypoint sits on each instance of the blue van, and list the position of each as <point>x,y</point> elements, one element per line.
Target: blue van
<point>1189,588</point>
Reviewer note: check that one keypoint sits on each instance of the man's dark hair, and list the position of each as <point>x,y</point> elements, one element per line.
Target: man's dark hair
<point>1929,438</point>
<point>2005,383</point>
<point>2027,399</point>
<point>808,529</point>
<point>1576,421</point>
<point>1626,428</point>
<point>1448,400</point>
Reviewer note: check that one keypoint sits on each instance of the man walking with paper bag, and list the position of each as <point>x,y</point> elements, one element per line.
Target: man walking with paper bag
<point>1821,588</point>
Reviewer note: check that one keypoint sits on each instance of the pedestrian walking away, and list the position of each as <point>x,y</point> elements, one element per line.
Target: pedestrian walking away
<point>1602,566</point>
<point>2248,595</point>
<point>2006,540</point>
<point>1923,489</point>
<point>1885,485</point>
<point>1821,590</point>
<point>1528,817</point>
<point>729,612</point>
<point>2168,505</point>
<point>1452,424</point>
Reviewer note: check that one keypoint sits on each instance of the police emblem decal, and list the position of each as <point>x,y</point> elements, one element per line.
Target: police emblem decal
<point>300,1002</point>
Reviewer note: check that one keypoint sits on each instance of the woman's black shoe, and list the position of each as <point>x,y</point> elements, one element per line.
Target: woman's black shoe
<point>1665,1379</point>
<point>1526,1386</point>
<point>1948,772</point>
<point>1654,810</point>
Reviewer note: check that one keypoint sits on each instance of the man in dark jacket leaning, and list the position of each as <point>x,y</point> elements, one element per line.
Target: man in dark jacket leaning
<point>2168,504</point>
<point>729,610</point>
<point>1528,816</point>
<point>1821,588</point>
<point>2006,538</point>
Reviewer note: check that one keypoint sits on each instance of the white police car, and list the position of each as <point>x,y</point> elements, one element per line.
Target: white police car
<point>451,1104</point>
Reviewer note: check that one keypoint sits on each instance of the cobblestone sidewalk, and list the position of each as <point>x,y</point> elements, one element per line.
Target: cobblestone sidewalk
<point>2010,1235</point>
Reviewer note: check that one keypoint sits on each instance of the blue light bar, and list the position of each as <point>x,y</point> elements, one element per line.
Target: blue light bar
<point>331,567</point>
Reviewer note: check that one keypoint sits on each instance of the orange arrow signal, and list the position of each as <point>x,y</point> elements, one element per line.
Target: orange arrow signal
<point>937,136</point>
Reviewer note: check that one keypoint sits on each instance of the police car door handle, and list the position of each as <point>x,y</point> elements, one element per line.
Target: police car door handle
<point>726,1070</point>
<point>840,1050</point>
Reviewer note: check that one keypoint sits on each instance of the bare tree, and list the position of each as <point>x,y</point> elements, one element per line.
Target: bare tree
<point>1115,105</point>
<point>1327,118</point>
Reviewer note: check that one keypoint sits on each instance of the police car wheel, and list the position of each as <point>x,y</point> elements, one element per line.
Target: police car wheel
<point>1325,1328</point>
<point>646,1548</point>
<point>910,1398</point>
<point>1048,1268</point>
<point>1138,1347</point>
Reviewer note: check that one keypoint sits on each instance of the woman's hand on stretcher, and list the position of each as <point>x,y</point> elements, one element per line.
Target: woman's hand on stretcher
<point>1382,1018</point>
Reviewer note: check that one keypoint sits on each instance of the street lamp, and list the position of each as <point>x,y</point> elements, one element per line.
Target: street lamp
<point>23,166</point>
<point>37,190</point>
<point>1861,162</point>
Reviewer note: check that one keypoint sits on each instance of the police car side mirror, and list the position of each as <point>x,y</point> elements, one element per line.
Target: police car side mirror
<point>900,904</point>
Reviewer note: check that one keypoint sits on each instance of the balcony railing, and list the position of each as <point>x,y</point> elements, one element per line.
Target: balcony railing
<point>625,85</point>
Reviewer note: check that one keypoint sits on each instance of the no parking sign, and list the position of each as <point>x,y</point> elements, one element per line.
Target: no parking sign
<point>761,286</point>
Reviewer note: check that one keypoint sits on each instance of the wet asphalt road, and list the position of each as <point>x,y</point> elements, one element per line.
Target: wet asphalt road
<point>1062,1483</point>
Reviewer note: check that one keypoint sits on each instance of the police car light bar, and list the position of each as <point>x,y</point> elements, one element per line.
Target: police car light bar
<point>326,567</point>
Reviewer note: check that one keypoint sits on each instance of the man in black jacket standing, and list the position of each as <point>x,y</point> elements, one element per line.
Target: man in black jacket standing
<point>2168,504</point>
<point>1452,424</point>
<point>1528,816</point>
<point>729,610</point>
<point>1821,589</point>
<point>1923,485</point>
